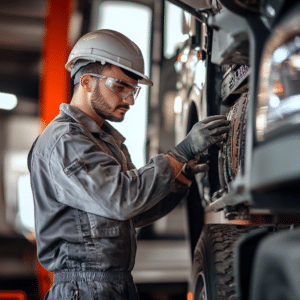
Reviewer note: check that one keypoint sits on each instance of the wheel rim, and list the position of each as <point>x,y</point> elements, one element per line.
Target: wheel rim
<point>201,287</point>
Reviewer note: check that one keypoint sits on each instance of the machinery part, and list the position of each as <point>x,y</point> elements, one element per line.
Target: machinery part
<point>242,7</point>
<point>232,119</point>
<point>232,152</point>
<point>235,81</point>
<point>111,47</point>
<point>213,273</point>
<point>230,43</point>
<point>275,273</point>
<point>237,133</point>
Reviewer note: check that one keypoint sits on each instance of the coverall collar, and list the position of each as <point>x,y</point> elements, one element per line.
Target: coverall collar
<point>90,124</point>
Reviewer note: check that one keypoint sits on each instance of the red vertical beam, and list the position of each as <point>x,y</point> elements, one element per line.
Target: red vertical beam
<point>55,80</point>
<point>45,280</point>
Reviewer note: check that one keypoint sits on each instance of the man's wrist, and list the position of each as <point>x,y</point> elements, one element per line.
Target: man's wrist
<point>178,156</point>
<point>177,167</point>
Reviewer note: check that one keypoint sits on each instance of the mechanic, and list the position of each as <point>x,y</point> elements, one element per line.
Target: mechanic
<point>88,196</point>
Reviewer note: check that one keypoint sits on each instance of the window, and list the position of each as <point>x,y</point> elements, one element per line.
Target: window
<point>176,28</point>
<point>21,131</point>
<point>25,203</point>
<point>134,21</point>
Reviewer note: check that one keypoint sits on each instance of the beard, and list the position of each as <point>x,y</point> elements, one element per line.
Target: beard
<point>103,108</point>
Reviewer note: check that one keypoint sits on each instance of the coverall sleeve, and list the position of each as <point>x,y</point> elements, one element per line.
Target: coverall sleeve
<point>166,205</point>
<point>88,179</point>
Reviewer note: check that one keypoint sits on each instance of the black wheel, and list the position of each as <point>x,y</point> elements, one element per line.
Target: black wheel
<point>213,274</point>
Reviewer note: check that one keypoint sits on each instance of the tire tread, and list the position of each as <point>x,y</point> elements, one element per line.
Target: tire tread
<point>221,239</point>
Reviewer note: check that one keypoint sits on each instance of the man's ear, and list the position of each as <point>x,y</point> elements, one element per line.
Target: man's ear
<point>86,82</point>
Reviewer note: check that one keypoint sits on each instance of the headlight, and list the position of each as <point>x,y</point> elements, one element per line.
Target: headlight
<point>279,80</point>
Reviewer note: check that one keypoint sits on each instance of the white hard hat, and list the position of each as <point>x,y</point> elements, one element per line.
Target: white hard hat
<point>111,47</point>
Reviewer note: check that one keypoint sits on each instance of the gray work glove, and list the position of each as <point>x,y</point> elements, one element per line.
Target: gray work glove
<point>203,135</point>
<point>193,167</point>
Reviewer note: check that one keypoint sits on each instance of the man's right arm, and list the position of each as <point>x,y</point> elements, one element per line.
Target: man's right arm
<point>86,178</point>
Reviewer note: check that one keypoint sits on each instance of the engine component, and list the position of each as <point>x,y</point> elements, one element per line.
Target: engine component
<point>234,81</point>
<point>232,152</point>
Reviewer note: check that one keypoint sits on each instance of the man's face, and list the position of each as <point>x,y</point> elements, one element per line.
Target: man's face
<point>105,102</point>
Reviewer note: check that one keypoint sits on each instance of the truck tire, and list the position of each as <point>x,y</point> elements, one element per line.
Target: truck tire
<point>213,274</point>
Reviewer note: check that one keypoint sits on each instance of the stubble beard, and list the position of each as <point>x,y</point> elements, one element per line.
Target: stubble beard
<point>102,108</point>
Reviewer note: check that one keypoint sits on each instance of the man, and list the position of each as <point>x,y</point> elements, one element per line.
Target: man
<point>88,196</point>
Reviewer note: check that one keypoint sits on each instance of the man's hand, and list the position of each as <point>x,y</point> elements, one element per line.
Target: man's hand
<point>193,167</point>
<point>202,136</point>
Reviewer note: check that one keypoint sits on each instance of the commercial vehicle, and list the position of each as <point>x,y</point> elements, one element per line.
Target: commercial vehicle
<point>242,60</point>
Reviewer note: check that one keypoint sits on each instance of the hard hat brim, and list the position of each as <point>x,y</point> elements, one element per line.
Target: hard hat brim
<point>145,80</point>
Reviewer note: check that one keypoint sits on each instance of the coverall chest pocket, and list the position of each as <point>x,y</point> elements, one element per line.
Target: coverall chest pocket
<point>103,227</point>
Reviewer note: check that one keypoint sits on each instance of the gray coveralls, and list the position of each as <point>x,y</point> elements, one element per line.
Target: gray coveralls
<point>88,201</point>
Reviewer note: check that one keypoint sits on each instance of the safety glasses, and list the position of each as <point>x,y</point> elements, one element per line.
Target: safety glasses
<point>119,87</point>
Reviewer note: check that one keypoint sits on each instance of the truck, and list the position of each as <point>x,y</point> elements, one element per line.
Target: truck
<point>241,59</point>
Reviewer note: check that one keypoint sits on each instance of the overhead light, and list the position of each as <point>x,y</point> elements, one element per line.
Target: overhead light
<point>8,101</point>
<point>178,105</point>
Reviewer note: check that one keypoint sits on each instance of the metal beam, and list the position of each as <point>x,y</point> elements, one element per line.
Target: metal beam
<point>55,80</point>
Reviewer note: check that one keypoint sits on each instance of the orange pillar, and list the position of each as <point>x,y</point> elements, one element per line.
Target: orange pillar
<point>55,80</point>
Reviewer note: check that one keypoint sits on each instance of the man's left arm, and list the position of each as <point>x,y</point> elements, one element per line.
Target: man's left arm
<point>183,174</point>
<point>184,160</point>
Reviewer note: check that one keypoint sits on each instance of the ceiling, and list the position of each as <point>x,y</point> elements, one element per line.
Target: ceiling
<point>21,23</point>
<point>21,38</point>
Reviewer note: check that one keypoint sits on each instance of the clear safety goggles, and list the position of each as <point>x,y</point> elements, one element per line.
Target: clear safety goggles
<point>119,87</point>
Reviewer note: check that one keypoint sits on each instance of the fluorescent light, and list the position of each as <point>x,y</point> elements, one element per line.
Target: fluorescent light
<point>8,101</point>
<point>178,105</point>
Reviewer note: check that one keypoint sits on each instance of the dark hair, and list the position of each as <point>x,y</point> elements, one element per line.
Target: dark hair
<point>94,67</point>
<point>131,74</point>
